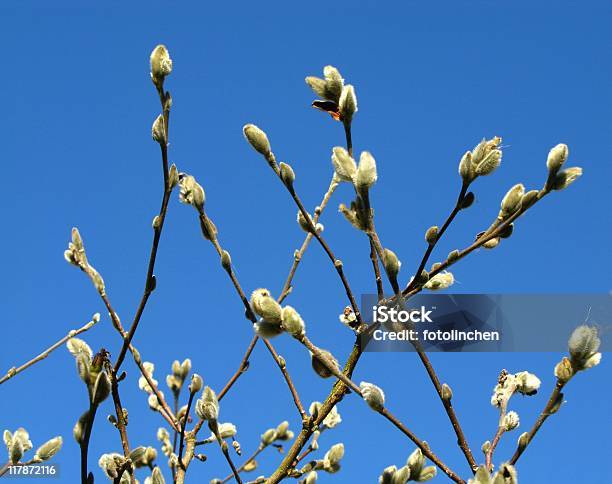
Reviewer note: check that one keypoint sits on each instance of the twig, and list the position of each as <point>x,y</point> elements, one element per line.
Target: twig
<point>212,425</point>
<point>183,425</point>
<point>431,246</point>
<point>244,364</point>
<point>150,278</point>
<point>121,424</point>
<point>71,334</point>
<point>84,442</point>
<point>546,412</point>
<point>246,462</point>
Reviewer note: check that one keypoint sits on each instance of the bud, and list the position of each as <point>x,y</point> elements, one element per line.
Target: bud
<point>491,243</point>
<point>466,169</point>
<point>293,322</point>
<point>334,455</point>
<point>101,389</point>
<point>268,436</point>
<point>506,231</point>
<point>226,260</point>
<point>512,201</point>
<point>317,85</point>
<point>207,406</point>
<point>158,130</point>
<point>431,235</point>
<point>173,176</point>
<point>265,329</point>
<point>303,223</point>
<point>257,139</point>
<point>344,165</point>
<point>556,157</point>
<point>523,440</point>
<point>453,256</point>
<point>447,393</point>
<point>511,421</point>
<point>583,345</point>
<point>468,200</point>
<point>283,432</point>
<point>196,383</point>
<point>529,198</point>
<point>79,427</point>
<point>489,164</point>
<point>565,178</point>
<point>191,193</point>
<point>311,478</point>
<point>161,65</point>
<point>347,103</point>
<point>320,367</point>
<point>485,446</point>
<point>287,174</point>
<point>333,83</point>
<point>265,306</point>
<point>391,263</point>
<point>527,383</point>
<point>373,395</point>
<point>15,451</point>
<point>442,280</point>
<point>366,171</point>
<point>564,370</point>
<point>416,462</point>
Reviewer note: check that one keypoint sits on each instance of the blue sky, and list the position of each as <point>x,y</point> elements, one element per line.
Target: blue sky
<point>431,80</point>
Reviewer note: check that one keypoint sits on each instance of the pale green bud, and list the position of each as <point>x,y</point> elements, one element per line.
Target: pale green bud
<point>431,235</point>
<point>564,370</point>
<point>196,383</point>
<point>311,477</point>
<point>447,393</point>
<point>318,85</point>
<point>287,174</point>
<point>391,262</point>
<point>265,329</point>
<point>78,430</point>
<point>226,260</point>
<point>441,280</point>
<point>207,406</point>
<point>556,157</point>
<point>78,347</point>
<point>490,163</point>
<point>348,103</point>
<point>491,243</point>
<point>303,223</point>
<point>265,306</point>
<point>334,455</point>
<point>173,176</point>
<point>466,168</point>
<point>158,130</point>
<point>161,64</point>
<point>293,322</point>
<point>15,451</point>
<point>453,256</point>
<point>373,395</point>
<point>333,83</point>
<point>529,198</point>
<point>101,389</point>
<point>268,436</point>
<point>583,344</point>
<point>565,178</point>
<point>366,171</point>
<point>321,367</point>
<point>257,139</point>
<point>344,165</point>
<point>156,477</point>
<point>523,440</point>
<point>48,449</point>
<point>512,200</point>
<point>427,474</point>
<point>485,446</point>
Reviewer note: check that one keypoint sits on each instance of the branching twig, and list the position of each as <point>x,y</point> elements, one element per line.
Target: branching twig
<point>16,370</point>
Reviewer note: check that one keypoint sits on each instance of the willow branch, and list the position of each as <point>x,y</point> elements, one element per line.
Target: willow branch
<point>71,334</point>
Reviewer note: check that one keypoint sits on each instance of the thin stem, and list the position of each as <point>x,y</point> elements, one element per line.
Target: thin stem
<point>84,442</point>
<point>149,286</point>
<point>183,425</point>
<point>71,334</point>
<point>223,444</point>
<point>246,462</point>
<point>379,284</point>
<point>421,445</point>
<point>121,423</point>
<point>546,412</point>
<point>431,246</point>
<point>244,364</point>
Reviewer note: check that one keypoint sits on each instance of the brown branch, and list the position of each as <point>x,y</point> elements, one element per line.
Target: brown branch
<point>183,425</point>
<point>150,278</point>
<point>431,246</point>
<point>212,425</point>
<point>71,334</point>
<point>259,450</point>
<point>121,423</point>
<point>244,364</point>
<point>546,412</point>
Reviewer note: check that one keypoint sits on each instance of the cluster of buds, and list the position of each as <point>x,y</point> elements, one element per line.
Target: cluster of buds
<point>279,433</point>
<point>330,462</point>
<point>414,470</point>
<point>505,475</point>
<point>180,371</point>
<point>143,384</point>
<point>207,406</point>
<point>18,443</point>
<point>337,99</point>
<point>143,456</point>
<point>481,161</point>
<point>275,318</point>
<point>76,256</point>
<point>560,179</point>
